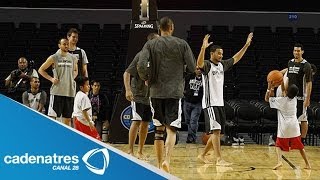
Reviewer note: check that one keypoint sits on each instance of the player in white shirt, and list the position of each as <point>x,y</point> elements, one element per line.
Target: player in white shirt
<point>288,135</point>
<point>212,100</point>
<point>303,116</point>
<point>82,110</point>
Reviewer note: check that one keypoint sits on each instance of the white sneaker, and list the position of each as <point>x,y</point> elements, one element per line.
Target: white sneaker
<point>235,141</point>
<point>241,141</point>
<point>271,141</point>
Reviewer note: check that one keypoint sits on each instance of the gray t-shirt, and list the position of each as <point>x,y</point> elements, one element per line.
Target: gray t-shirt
<point>63,70</point>
<point>169,55</point>
<point>138,87</point>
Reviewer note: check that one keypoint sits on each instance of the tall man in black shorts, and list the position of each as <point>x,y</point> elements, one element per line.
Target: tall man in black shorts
<point>168,56</point>
<point>79,53</point>
<point>300,74</point>
<point>212,100</point>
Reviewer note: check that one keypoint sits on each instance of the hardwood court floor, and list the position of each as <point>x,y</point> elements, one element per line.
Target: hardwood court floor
<point>250,162</point>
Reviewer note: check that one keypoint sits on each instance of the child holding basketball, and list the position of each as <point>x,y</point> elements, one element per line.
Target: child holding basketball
<point>288,135</point>
<point>82,111</point>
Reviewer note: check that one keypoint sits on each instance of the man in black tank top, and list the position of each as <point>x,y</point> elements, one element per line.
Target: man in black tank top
<point>300,74</point>
<point>80,54</point>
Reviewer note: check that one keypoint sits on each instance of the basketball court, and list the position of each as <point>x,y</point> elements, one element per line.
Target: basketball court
<point>251,161</point>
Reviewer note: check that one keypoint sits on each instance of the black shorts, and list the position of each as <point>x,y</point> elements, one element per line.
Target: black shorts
<point>166,112</point>
<point>301,111</point>
<point>141,112</point>
<point>60,105</point>
<point>215,119</point>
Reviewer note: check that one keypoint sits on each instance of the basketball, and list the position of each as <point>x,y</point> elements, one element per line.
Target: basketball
<point>276,77</point>
<point>205,138</point>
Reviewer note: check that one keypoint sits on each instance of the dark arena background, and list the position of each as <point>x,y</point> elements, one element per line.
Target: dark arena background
<point>110,39</point>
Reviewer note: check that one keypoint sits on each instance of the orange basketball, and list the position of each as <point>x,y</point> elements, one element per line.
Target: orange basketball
<point>275,76</point>
<point>205,138</point>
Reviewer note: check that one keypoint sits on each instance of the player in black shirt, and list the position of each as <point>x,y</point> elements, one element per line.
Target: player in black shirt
<point>300,73</point>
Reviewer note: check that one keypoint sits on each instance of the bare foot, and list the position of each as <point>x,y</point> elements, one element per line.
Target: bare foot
<point>142,157</point>
<point>307,167</point>
<point>223,163</point>
<point>165,166</point>
<point>203,159</point>
<point>277,166</point>
<point>130,153</point>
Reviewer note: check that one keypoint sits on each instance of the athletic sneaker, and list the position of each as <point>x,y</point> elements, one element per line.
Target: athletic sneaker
<point>241,141</point>
<point>235,141</point>
<point>271,141</point>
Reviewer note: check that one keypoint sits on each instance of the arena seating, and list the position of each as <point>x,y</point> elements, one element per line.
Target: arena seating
<point>106,48</point>
<point>247,79</point>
